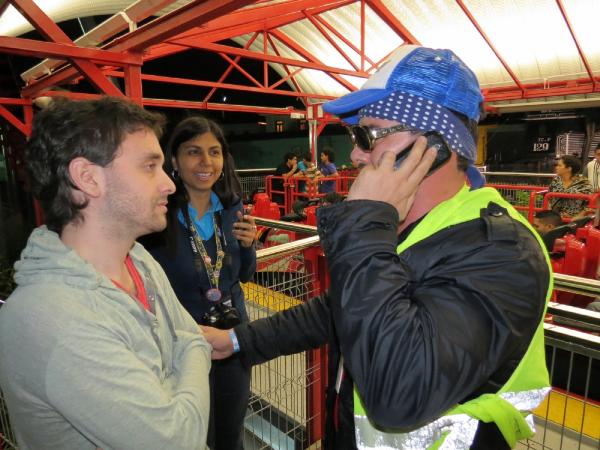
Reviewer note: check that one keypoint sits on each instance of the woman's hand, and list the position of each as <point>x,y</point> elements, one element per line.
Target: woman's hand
<point>244,230</point>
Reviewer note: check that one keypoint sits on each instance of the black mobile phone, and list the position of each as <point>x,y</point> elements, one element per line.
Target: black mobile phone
<point>434,139</point>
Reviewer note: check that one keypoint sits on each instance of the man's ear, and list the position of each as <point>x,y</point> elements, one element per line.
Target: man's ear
<point>86,176</point>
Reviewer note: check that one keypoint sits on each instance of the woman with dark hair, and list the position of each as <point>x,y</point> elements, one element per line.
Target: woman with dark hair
<point>569,181</point>
<point>206,250</point>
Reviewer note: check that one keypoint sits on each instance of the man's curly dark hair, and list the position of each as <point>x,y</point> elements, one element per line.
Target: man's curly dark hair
<point>67,129</point>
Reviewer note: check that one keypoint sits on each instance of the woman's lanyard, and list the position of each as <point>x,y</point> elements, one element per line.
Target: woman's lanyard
<point>201,257</point>
<point>137,281</point>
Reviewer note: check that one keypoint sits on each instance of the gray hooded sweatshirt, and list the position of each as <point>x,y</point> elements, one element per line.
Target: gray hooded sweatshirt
<point>83,365</point>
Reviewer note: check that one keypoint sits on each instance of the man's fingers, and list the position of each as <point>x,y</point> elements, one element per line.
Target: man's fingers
<point>419,172</point>
<point>387,159</point>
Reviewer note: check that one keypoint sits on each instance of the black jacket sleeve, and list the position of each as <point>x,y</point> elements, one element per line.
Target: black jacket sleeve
<point>424,330</point>
<point>302,327</point>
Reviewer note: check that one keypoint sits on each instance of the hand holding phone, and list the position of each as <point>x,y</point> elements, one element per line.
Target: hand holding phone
<point>435,140</point>
<point>383,182</point>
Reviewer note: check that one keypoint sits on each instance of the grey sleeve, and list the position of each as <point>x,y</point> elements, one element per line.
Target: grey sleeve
<point>104,390</point>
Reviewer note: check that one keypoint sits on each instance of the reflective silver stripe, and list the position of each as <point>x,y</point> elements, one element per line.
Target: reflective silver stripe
<point>461,428</point>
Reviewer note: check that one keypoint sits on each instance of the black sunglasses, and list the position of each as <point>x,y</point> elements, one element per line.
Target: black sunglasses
<point>364,137</point>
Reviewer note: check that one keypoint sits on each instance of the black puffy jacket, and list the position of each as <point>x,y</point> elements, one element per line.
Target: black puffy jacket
<point>443,322</point>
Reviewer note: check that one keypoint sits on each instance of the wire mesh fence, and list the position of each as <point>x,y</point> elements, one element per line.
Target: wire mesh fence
<point>281,414</point>
<point>569,418</point>
<point>7,438</point>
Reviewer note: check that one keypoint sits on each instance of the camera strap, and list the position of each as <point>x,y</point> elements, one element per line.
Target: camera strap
<point>201,258</point>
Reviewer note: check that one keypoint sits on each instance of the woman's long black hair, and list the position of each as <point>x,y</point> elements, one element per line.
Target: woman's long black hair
<point>228,187</point>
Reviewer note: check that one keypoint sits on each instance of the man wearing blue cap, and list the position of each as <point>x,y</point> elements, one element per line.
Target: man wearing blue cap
<point>438,287</point>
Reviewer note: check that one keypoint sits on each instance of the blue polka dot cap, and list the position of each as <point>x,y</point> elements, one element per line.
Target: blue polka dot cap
<point>424,115</point>
<point>420,87</point>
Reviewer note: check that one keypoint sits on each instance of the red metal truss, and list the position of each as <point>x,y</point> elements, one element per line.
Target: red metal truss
<point>287,70</point>
<point>23,127</point>
<point>235,87</point>
<point>385,14</point>
<point>166,103</point>
<point>311,64</point>
<point>205,24</point>
<point>35,48</point>
<point>576,41</point>
<point>310,57</point>
<point>158,30</point>
<point>258,19</point>
<point>230,68</point>
<point>52,32</point>
<point>489,43</point>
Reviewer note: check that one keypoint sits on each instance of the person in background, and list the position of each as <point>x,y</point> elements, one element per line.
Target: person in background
<point>569,181</point>
<point>308,170</point>
<point>545,222</point>
<point>327,169</point>
<point>331,198</point>
<point>593,170</point>
<point>429,346</point>
<point>95,349</point>
<point>206,251</point>
<point>287,169</point>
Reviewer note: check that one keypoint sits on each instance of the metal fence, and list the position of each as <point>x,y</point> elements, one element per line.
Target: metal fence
<point>7,437</point>
<point>283,413</point>
<point>253,181</point>
<point>285,409</point>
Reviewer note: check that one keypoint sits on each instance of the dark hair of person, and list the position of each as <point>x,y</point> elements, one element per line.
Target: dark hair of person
<point>330,153</point>
<point>67,129</point>
<point>228,187</point>
<point>307,156</point>
<point>332,198</point>
<point>549,217</point>
<point>289,155</point>
<point>572,162</point>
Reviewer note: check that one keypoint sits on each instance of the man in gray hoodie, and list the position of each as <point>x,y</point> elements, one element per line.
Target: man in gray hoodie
<point>95,349</point>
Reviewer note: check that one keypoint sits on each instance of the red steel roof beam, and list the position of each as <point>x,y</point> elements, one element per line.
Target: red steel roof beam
<point>265,65</point>
<point>14,101</point>
<point>182,19</point>
<point>169,25</point>
<point>324,33</point>
<point>341,37</point>
<point>163,103</point>
<point>51,31</point>
<point>362,34</point>
<point>42,49</point>
<point>234,87</point>
<point>230,68</point>
<point>392,21</point>
<point>10,117</point>
<point>249,21</point>
<point>133,83</point>
<point>307,55</point>
<point>3,5</point>
<point>311,64</point>
<point>287,70</point>
<point>492,47</point>
<point>241,70</point>
<point>576,41</point>
<point>289,76</point>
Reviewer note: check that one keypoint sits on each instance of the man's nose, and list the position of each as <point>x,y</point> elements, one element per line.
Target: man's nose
<point>168,185</point>
<point>359,157</point>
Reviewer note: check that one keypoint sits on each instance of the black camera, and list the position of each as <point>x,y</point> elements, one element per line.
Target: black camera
<point>221,315</point>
